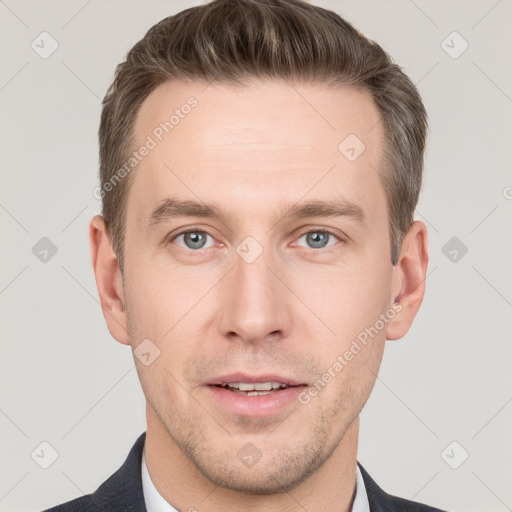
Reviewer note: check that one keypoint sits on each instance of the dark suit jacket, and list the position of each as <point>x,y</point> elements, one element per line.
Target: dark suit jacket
<point>122,492</point>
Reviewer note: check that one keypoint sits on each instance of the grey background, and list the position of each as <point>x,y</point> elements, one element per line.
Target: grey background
<point>65,381</point>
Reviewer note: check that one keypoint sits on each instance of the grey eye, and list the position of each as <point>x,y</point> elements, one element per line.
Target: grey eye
<point>317,239</point>
<point>194,239</point>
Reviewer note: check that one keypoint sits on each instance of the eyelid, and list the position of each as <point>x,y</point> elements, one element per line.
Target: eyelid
<point>320,229</point>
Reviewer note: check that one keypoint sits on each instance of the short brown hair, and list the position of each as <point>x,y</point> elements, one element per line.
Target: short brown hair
<point>234,40</point>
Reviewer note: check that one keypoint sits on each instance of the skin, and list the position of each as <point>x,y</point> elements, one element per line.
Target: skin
<point>256,150</point>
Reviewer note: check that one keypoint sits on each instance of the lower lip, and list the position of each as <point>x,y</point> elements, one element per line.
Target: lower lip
<point>256,405</point>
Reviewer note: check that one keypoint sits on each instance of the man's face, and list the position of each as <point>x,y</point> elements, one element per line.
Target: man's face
<point>258,294</point>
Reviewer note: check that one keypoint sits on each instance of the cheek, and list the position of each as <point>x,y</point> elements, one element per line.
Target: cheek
<point>346,299</point>
<point>157,297</point>
<point>169,308</point>
<point>350,303</point>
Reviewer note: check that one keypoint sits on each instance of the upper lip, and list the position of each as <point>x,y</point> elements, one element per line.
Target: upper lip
<point>251,379</point>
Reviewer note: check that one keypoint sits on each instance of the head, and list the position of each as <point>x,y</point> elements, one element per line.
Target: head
<point>290,147</point>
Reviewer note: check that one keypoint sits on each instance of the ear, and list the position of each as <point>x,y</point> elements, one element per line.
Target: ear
<point>409,280</point>
<point>108,280</point>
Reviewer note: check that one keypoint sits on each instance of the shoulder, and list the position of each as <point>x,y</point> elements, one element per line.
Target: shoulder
<point>381,501</point>
<point>122,491</point>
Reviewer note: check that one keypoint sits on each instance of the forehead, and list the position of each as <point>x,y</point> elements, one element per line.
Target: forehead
<point>261,141</point>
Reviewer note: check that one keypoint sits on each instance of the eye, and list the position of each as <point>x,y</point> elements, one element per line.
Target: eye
<point>193,239</point>
<point>318,238</point>
<point>196,240</point>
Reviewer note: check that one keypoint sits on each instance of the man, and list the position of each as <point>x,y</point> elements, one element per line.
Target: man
<point>260,163</point>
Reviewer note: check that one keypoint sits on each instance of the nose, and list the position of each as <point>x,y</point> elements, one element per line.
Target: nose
<point>256,304</point>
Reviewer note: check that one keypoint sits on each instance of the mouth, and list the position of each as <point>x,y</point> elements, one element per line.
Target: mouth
<point>254,396</point>
<point>254,389</point>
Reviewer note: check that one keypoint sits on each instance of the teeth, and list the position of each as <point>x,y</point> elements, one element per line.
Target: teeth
<point>263,386</point>
<point>256,386</point>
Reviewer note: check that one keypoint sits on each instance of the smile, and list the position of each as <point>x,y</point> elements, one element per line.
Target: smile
<point>253,389</point>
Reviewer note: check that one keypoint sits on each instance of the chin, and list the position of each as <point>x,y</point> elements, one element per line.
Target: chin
<point>277,470</point>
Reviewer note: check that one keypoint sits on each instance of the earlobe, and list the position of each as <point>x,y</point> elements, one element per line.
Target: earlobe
<point>108,280</point>
<point>409,280</point>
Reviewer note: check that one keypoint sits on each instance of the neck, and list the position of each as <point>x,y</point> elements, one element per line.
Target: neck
<point>178,480</point>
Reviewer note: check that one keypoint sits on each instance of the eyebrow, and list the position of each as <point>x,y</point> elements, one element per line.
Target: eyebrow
<point>173,208</point>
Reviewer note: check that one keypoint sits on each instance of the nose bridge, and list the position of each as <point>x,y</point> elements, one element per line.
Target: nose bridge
<point>256,305</point>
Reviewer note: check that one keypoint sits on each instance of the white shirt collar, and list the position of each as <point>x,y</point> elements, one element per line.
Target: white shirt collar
<point>361,503</point>
<point>156,503</point>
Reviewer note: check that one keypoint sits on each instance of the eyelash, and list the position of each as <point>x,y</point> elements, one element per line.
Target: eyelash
<point>195,229</point>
